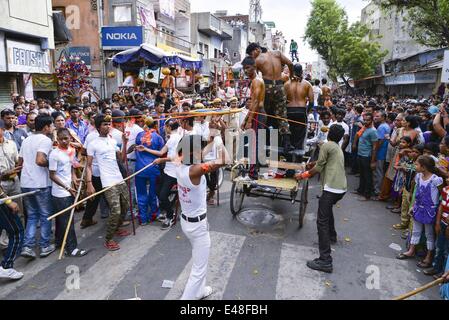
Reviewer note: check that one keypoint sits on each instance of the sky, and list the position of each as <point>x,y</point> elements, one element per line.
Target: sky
<point>290,16</point>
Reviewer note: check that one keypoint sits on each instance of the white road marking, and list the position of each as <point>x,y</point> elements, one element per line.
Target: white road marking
<point>295,280</point>
<point>225,249</point>
<point>100,280</point>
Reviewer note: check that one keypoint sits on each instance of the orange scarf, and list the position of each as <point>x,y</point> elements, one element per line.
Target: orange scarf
<point>146,139</point>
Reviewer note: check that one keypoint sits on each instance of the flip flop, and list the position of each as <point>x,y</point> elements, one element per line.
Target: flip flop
<point>423,265</point>
<point>402,256</point>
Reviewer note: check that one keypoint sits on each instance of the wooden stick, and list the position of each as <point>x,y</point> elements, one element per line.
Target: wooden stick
<point>2,201</point>
<point>421,289</point>
<point>100,192</point>
<point>67,229</point>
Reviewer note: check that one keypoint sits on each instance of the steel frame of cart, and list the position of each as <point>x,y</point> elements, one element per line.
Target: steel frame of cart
<point>275,189</point>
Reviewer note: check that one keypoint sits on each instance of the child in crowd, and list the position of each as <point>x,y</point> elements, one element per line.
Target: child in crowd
<point>408,169</point>
<point>400,160</point>
<point>424,212</point>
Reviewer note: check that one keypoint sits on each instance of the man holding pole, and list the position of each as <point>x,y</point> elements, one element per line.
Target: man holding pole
<point>105,151</point>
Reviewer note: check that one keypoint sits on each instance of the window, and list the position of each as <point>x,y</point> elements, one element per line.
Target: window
<point>206,51</point>
<point>235,54</point>
<point>200,47</point>
<point>216,53</point>
<point>122,13</point>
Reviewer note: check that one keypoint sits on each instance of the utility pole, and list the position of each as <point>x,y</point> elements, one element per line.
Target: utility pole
<point>100,9</point>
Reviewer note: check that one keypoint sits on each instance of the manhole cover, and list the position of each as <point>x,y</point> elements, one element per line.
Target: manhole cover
<point>260,218</point>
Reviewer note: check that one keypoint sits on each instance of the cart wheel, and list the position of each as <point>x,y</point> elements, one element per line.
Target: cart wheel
<point>237,196</point>
<point>303,203</point>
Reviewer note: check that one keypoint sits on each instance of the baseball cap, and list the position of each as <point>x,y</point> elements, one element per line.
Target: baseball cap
<point>217,101</point>
<point>118,116</point>
<point>433,110</point>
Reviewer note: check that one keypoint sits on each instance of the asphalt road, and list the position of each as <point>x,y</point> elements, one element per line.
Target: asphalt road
<point>245,263</point>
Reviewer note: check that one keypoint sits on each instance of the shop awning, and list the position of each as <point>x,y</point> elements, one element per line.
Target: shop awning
<point>153,56</point>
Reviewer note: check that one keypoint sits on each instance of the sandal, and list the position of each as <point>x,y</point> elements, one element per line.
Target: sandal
<point>77,253</point>
<point>402,256</point>
<point>397,210</point>
<point>111,245</point>
<point>424,265</point>
<point>400,226</point>
<point>122,233</point>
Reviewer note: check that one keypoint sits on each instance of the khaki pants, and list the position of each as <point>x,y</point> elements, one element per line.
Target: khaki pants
<point>118,201</point>
<point>405,217</point>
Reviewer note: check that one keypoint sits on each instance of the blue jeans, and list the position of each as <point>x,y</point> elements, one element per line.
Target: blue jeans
<point>146,197</point>
<point>14,228</point>
<point>39,208</point>
<point>442,250</point>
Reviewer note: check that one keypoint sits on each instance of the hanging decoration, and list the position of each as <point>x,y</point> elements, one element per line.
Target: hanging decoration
<point>74,77</point>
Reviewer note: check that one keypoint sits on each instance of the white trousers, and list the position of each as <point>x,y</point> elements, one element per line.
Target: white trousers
<point>198,235</point>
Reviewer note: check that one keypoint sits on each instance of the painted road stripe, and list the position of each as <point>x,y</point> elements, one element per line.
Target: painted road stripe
<point>32,268</point>
<point>225,249</point>
<point>295,280</point>
<point>100,280</point>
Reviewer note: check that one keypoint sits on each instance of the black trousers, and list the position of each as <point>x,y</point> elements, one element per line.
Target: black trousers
<point>298,131</point>
<point>92,205</point>
<point>212,180</point>
<point>326,223</point>
<point>61,224</point>
<point>163,192</point>
<point>366,177</point>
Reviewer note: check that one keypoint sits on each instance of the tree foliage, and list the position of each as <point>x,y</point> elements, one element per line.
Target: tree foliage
<point>341,45</point>
<point>429,19</point>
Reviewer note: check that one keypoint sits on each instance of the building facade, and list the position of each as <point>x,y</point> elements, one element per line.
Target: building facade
<point>409,69</point>
<point>208,33</point>
<point>27,38</point>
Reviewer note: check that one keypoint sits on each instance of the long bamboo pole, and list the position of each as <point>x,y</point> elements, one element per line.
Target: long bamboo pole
<point>419,290</point>
<point>67,229</point>
<point>99,192</point>
<point>3,200</point>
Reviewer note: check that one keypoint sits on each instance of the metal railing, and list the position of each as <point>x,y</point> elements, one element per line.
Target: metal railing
<point>173,41</point>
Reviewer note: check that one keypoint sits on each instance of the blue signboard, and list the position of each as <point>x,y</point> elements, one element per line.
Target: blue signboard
<point>82,52</point>
<point>119,38</point>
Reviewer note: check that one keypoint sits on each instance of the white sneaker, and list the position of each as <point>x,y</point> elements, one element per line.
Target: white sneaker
<point>10,274</point>
<point>207,292</point>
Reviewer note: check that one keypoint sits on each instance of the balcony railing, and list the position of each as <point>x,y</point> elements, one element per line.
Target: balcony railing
<point>173,41</point>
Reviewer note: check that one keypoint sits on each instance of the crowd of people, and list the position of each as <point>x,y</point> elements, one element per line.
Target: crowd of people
<point>398,147</point>
<point>45,146</point>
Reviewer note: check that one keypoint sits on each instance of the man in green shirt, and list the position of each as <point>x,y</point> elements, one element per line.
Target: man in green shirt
<point>294,50</point>
<point>331,165</point>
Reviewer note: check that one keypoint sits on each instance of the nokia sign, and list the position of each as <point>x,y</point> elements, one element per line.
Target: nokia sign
<point>118,38</point>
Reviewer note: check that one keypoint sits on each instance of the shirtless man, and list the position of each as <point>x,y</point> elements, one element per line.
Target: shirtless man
<point>254,121</point>
<point>327,93</point>
<point>299,96</point>
<point>270,64</point>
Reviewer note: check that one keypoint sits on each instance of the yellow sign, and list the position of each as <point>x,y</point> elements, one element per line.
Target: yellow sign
<point>172,50</point>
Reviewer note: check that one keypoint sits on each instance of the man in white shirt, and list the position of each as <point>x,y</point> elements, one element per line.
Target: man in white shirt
<point>132,128</point>
<point>230,91</point>
<point>221,93</point>
<point>105,151</point>
<point>317,92</point>
<point>33,157</point>
<point>339,115</point>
